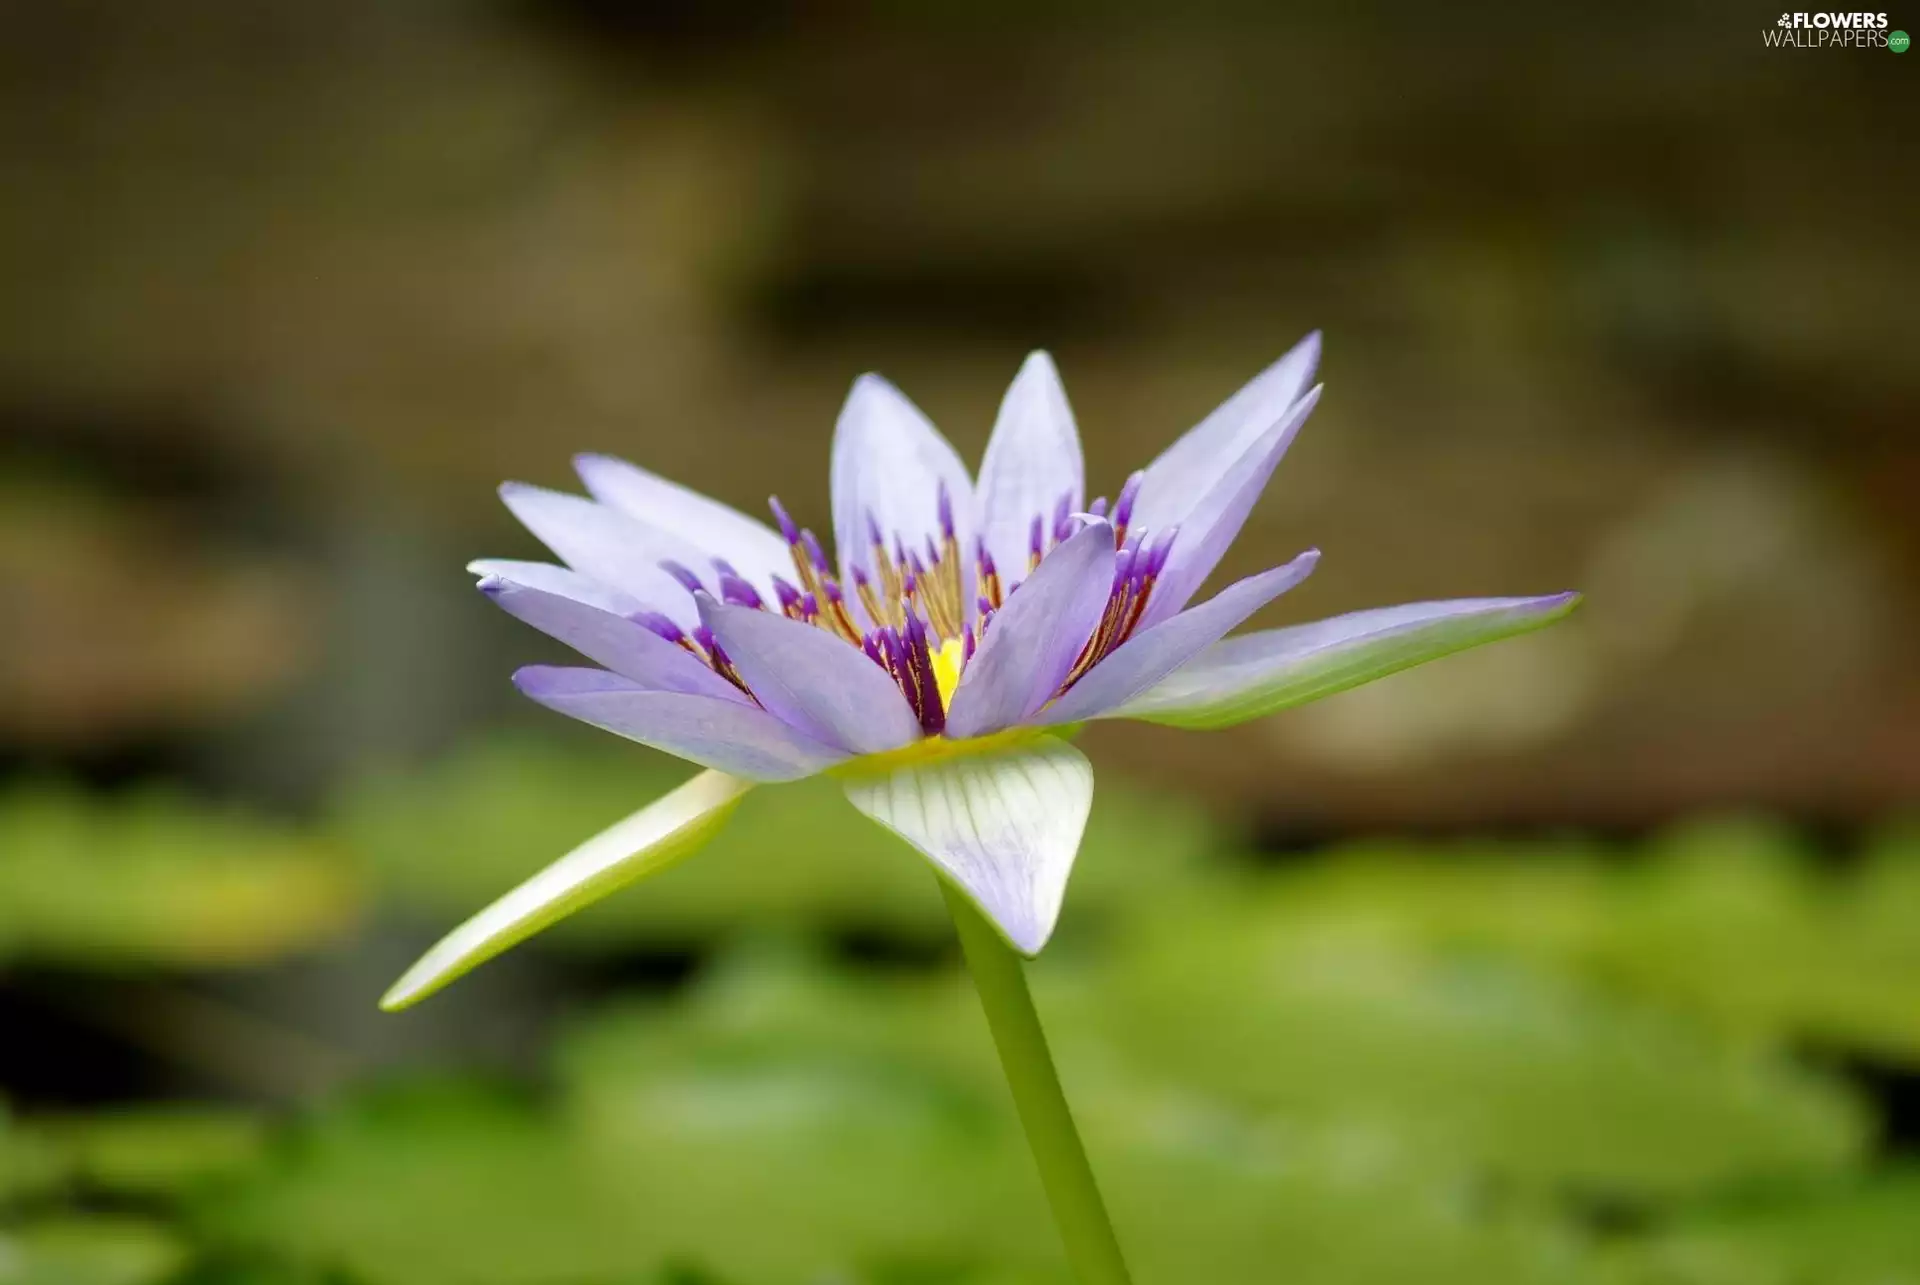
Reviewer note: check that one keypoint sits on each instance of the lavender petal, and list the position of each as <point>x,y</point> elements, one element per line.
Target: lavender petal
<point>1149,656</point>
<point>1190,467</point>
<point>1276,669</point>
<point>563,581</point>
<point>608,546</point>
<point>622,644</point>
<point>714,529</point>
<point>816,682</point>
<point>890,462</point>
<point>731,736</point>
<point>1032,460</point>
<point>1209,529</point>
<point>1036,635</point>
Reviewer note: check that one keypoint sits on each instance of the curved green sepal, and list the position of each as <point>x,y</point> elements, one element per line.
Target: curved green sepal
<point>646,843</point>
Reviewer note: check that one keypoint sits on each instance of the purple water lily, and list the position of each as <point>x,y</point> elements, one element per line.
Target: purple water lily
<point>937,662</point>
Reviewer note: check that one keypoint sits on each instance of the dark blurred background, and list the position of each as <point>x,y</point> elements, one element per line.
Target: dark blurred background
<point>1612,300</point>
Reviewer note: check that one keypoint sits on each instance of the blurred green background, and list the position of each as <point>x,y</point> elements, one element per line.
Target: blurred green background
<point>1592,957</point>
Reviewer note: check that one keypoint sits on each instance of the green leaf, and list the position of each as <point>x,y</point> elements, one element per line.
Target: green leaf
<point>786,1123</point>
<point>91,1250</point>
<point>156,1150</point>
<point>155,879</point>
<point>31,1164</point>
<point>1319,1016</point>
<point>1729,919</point>
<point>1857,1233</point>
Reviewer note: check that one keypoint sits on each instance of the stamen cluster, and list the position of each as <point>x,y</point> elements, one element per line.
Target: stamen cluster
<point>914,599</point>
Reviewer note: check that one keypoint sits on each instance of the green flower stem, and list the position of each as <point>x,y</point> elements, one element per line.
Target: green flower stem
<point>1077,1208</point>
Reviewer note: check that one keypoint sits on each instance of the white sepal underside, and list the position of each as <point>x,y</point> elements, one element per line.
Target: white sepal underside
<point>1004,826</point>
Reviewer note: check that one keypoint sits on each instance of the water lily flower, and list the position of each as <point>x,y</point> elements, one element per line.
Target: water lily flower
<point>937,664</point>
<point>939,660</point>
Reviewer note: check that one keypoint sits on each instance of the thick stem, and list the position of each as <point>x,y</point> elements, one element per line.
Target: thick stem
<point>1064,1172</point>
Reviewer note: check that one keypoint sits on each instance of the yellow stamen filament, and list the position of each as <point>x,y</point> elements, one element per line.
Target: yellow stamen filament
<point>891,611</point>
<point>990,588</point>
<point>834,612</point>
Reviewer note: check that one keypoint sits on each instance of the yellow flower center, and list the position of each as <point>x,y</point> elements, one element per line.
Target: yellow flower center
<point>946,670</point>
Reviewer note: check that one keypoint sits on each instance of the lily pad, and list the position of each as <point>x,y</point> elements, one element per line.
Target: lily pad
<point>1727,919</point>
<point>786,1123</point>
<point>90,1250</point>
<point>30,1163</point>
<point>155,879</point>
<point>1533,1080</point>
<point>155,1150</point>
<point>1862,1232</point>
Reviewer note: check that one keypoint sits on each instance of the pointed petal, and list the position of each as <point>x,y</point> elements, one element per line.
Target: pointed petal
<point>1032,641</point>
<point>1209,529</point>
<point>1004,827</point>
<point>1189,468</point>
<point>608,546</point>
<point>1275,669</point>
<point>645,843</point>
<point>1151,655</point>
<point>562,581</point>
<point>1032,459</point>
<point>729,735</point>
<point>889,460</point>
<point>716,529</point>
<point>812,680</point>
<point>629,649</point>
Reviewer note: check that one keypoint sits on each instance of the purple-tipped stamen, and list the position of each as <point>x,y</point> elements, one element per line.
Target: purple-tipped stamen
<point>789,597</point>
<point>811,543</point>
<point>989,578</point>
<point>1099,507</point>
<point>933,718</point>
<point>1123,507</point>
<point>788,527</point>
<point>1063,518</point>
<point>946,511</point>
<point>1160,550</point>
<point>661,625</point>
<point>735,589</point>
<point>893,652</point>
<point>688,581</point>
